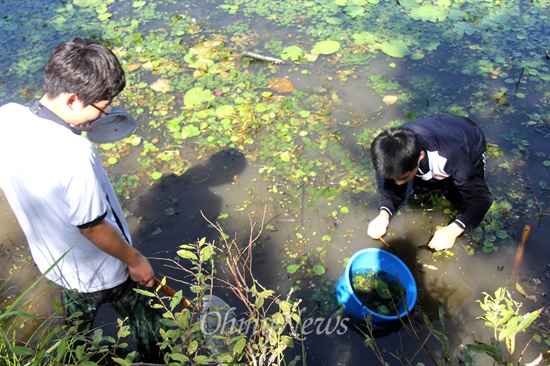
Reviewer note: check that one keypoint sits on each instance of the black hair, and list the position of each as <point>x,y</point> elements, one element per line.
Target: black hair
<point>395,152</point>
<point>85,68</point>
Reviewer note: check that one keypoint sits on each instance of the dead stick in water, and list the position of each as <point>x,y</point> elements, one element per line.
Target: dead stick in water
<point>265,58</point>
<point>171,292</point>
<point>521,246</point>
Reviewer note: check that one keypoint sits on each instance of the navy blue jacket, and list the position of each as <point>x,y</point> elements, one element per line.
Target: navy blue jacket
<point>455,150</point>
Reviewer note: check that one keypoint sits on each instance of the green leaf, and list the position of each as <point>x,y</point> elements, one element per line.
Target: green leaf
<point>521,323</point>
<point>145,293</point>
<point>186,254</point>
<point>196,96</point>
<point>21,351</point>
<point>193,346</point>
<point>202,360</point>
<point>325,48</point>
<point>285,156</point>
<point>480,348</point>
<point>294,53</point>
<point>354,11</point>
<point>364,38</point>
<point>319,269</point>
<point>139,4</point>
<point>239,346</point>
<point>156,175</point>
<point>104,16</point>
<point>396,48</point>
<point>334,20</point>
<point>179,357</point>
<point>176,299</point>
<point>430,13</point>
<point>224,111</point>
<point>189,131</point>
<point>266,294</point>
<point>292,268</point>
<point>206,253</point>
<point>417,56</point>
<point>87,3</point>
<point>121,361</point>
<point>285,307</point>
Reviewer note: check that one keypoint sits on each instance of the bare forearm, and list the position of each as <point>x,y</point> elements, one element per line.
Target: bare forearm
<point>106,237</point>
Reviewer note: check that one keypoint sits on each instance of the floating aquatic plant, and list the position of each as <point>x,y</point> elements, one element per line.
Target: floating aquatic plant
<point>378,291</point>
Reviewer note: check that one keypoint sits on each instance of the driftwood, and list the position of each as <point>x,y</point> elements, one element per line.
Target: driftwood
<point>257,56</point>
<point>521,246</point>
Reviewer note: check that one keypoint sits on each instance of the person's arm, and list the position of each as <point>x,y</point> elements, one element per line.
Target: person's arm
<point>377,227</point>
<point>445,237</point>
<point>107,238</point>
<point>477,201</point>
<point>476,206</point>
<point>393,196</point>
<point>471,184</point>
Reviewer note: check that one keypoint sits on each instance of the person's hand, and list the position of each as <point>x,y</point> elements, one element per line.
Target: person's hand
<point>377,227</point>
<point>445,237</point>
<point>142,272</point>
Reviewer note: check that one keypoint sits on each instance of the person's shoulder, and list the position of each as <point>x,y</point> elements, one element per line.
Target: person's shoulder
<point>13,108</point>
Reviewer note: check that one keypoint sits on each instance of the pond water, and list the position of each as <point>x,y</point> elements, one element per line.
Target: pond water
<point>287,145</point>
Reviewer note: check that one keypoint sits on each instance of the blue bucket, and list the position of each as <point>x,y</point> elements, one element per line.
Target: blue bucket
<point>374,259</point>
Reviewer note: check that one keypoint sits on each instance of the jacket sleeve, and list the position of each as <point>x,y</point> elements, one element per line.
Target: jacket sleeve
<point>470,182</point>
<point>393,196</point>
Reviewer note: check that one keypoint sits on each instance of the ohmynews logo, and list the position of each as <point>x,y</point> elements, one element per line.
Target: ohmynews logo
<point>225,322</point>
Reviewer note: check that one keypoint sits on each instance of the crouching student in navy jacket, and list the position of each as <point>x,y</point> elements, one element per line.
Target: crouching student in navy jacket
<point>443,152</point>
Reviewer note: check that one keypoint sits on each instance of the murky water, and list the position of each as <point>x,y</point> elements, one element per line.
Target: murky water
<point>170,213</point>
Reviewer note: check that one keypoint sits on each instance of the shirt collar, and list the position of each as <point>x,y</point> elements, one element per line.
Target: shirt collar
<point>424,166</point>
<point>45,113</point>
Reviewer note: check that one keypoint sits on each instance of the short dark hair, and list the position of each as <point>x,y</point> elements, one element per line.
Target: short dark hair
<point>395,152</point>
<point>85,68</point>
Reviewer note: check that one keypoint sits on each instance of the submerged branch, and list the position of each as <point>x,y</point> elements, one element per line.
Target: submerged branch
<point>274,60</point>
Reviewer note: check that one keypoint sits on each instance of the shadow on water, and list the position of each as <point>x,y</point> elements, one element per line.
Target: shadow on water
<point>175,210</point>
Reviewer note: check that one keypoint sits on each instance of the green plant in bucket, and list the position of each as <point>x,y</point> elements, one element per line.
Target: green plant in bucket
<point>378,291</point>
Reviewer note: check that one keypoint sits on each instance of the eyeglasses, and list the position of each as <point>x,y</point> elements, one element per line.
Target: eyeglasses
<point>101,110</point>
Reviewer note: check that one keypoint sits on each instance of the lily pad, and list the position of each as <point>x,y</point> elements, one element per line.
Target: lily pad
<point>396,49</point>
<point>294,53</point>
<point>334,21</point>
<point>161,85</point>
<point>354,11</point>
<point>87,3</point>
<point>462,28</point>
<point>189,131</point>
<point>319,269</point>
<point>285,156</point>
<point>417,56</point>
<point>430,13</point>
<point>224,110</point>
<point>196,96</point>
<point>363,37</point>
<point>325,48</point>
<point>292,268</point>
